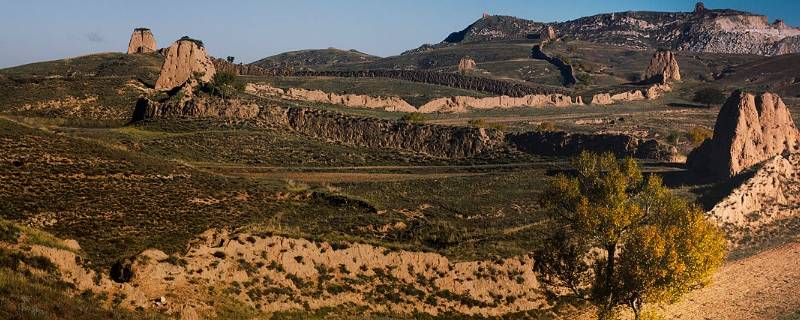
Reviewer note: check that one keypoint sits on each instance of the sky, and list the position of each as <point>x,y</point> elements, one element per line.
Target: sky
<point>40,30</point>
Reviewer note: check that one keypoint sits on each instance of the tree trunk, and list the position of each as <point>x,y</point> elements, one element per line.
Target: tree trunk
<point>636,306</point>
<point>610,262</point>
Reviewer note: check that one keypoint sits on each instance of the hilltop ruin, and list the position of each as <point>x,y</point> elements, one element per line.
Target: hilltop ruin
<point>142,41</point>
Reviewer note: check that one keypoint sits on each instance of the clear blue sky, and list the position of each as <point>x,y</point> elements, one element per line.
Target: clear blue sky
<point>37,30</point>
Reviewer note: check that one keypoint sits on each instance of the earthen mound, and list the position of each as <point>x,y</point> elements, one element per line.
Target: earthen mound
<point>185,60</point>
<point>466,64</point>
<point>749,129</point>
<point>663,68</point>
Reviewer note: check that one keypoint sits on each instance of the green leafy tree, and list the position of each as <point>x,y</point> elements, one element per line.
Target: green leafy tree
<point>224,83</point>
<point>626,239</point>
<point>709,96</point>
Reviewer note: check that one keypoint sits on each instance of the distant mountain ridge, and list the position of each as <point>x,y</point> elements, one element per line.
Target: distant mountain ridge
<point>717,31</point>
<point>314,58</point>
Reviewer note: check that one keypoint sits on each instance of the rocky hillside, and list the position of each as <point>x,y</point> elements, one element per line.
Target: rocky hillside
<point>704,30</point>
<point>314,59</point>
<point>496,28</point>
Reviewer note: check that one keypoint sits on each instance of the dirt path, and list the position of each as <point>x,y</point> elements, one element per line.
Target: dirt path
<point>763,286</point>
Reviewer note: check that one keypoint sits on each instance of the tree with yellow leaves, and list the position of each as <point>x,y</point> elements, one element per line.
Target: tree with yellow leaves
<point>625,239</point>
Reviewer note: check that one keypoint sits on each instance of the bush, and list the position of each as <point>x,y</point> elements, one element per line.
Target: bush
<point>498,126</point>
<point>547,126</point>
<point>709,96</point>
<point>413,117</point>
<point>585,78</point>
<point>477,123</point>
<point>699,134</point>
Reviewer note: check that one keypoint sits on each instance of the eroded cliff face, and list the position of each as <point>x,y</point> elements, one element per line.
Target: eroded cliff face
<point>459,104</point>
<point>763,204</point>
<point>391,104</point>
<point>142,41</point>
<point>652,92</point>
<point>433,140</point>
<point>571,144</point>
<point>749,129</point>
<point>273,273</point>
<point>185,60</point>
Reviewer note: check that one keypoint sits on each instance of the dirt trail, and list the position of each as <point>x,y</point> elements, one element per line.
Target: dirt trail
<point>763,286</point>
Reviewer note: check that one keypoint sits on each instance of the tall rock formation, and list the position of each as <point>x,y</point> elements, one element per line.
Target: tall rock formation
<point>699,7</point>
<point>185,60</point>
<point>749,129</point>
<point>142,41</point>
<point>663,68</point>
<point>466,65</point>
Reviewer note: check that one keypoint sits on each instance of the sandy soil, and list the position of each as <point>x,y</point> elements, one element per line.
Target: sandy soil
<point>763,286</point>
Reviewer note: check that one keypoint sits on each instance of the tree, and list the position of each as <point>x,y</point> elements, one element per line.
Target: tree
<point>625,239</point>
<point>709,96</point>
<point>230,59</point>
<point>223,83</point>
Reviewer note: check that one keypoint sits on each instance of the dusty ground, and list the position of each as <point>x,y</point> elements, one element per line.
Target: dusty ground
<point>763,286</point>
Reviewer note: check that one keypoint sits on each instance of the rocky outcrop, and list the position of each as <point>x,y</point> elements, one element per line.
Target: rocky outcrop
<point>650,93</point>
<point>194,108</point>
<point>432,140</point>
<point>463,104</point>
<point>565,144</point>
<point>391,104</point>
<point>142,41</point>
<point>764,205</point>
<point>567,71</point>
<point>185,60</point>
<point>496,27</point>
<point>749,129</point>
<point>466,65</point>
<point>772,193</point>
<point>547,33</point>
<point>455,104</point>
<point>663,68</point>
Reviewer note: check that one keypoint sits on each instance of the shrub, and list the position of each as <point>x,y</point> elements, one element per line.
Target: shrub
<point>547,126</point>
<point>699,134</point>
<point>498,126</point>
<point>413,117</point>
<point>585,78</point>
<point>709,96</point>
<point>477,123</point>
